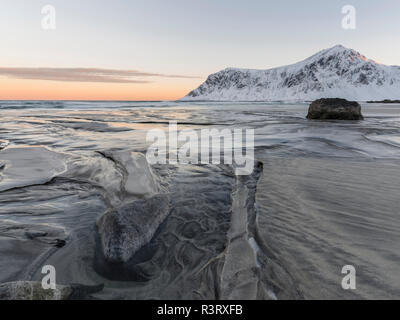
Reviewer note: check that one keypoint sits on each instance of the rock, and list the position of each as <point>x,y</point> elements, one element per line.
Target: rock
<point>335,109</point>
<point>28,290</point>
<point>124,231</point>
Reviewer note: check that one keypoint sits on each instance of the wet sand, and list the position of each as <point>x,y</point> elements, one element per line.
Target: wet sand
<point>327,197</point>
<point>318,215</point>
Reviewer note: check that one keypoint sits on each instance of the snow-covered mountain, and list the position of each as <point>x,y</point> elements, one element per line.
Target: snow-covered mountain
<point>337,72</point>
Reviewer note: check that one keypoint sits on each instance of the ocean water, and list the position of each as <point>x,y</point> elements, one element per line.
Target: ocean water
<point>325,196</point>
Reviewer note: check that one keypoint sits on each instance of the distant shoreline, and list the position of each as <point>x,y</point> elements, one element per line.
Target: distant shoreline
<point>191,101</point>
<point>385,101</point>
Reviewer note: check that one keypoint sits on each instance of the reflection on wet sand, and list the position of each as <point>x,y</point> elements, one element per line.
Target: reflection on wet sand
<point>325,196</point>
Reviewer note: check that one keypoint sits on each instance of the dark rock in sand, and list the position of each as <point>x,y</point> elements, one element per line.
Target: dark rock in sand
<point>335,109</point>
<point>124,231</point>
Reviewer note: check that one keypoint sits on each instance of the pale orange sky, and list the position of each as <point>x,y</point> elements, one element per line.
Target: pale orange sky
<point>21,89</point>
<point>168,43</point>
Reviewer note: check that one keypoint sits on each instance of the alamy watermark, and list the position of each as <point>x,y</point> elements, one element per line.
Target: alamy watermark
<point>48,17</point>
<point>207,146</point>
<point>349,21</point>
<point>349,281</point>
<point>49,280</point>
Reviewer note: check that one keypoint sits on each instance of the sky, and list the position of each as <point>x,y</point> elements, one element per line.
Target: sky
<point>162,49</point>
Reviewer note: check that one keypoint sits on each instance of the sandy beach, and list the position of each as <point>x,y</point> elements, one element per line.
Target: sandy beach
<point>323,195</point>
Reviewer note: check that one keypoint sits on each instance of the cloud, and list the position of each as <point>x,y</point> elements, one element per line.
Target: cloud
<point>86,75</point>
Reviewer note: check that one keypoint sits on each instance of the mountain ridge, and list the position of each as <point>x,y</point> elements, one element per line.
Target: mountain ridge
<point>336,72</point>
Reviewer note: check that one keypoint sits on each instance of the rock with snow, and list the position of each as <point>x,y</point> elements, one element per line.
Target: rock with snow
<point>335,109</point>
<point>337,72</point>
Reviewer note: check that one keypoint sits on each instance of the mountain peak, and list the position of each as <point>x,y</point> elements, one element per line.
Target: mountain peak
<point>346,53</point>
<point>337,48</point>
<point>336,72</point>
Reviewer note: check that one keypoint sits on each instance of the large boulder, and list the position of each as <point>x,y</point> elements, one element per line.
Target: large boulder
<point>335,109</point>
<point>125,230</point>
